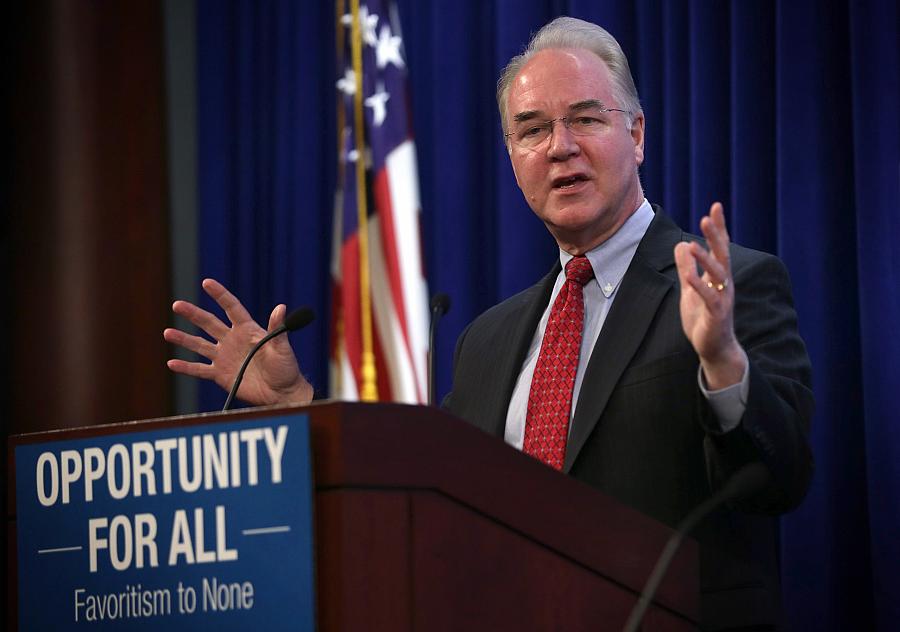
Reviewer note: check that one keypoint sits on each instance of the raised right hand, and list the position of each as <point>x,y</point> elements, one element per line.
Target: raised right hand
<point>272,377</point>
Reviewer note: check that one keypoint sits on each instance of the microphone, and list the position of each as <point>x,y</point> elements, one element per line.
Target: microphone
<point>297,319</point>
<point>440,305</point>
<point>745,482</point>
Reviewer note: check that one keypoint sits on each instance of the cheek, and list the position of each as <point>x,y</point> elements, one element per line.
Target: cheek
<point>614,163</point>
<point>529,177</point>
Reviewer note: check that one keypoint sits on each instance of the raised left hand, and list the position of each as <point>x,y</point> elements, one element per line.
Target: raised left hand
<point>707,302</point>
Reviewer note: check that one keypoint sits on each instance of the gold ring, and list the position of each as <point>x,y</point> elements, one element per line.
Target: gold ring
<point>719,286</point>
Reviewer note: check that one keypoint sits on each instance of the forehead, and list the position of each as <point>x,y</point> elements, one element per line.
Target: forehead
<point>554,79</point>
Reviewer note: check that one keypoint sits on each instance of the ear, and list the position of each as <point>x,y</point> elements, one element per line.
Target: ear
<point>637,135</point>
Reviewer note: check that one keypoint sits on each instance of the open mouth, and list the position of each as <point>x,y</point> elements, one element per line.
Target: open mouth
<point>568,182</point>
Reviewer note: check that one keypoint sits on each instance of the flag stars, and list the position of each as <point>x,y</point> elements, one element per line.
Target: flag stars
<point>367,24</point>
<point>378,103</point>
<point>347,83</point>
<point>387,50</point>
<point>352,155</point>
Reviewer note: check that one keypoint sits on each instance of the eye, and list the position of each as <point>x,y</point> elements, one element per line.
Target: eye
<point>531,132</point>
<point>586,122</point>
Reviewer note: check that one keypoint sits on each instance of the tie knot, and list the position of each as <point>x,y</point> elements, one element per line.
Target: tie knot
<point>579,270</point>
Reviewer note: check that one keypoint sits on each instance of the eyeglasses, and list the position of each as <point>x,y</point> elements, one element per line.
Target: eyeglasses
<point>592,122</point>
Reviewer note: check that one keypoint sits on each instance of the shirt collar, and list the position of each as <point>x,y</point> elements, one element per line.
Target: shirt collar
<point>611,259</point>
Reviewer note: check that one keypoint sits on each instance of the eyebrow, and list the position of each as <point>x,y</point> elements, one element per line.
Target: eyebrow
<point>578,106</point>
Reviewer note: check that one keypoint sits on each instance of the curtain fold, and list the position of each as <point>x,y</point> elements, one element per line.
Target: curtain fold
<point>787,112</point>
<point>875,94</point>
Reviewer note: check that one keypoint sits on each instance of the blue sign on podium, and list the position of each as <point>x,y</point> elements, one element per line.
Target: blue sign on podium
<point>182,528</point>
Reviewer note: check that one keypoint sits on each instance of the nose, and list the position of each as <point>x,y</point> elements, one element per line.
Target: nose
<point>563,144</point>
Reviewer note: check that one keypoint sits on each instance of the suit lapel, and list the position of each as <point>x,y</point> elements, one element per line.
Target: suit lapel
<point>640,294</point>
<point>513,338</point>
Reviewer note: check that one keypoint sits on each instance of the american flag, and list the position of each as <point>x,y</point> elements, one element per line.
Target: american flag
<point>380,305</point>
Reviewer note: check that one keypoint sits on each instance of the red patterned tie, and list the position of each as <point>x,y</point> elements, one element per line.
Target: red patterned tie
<point>550,399</point>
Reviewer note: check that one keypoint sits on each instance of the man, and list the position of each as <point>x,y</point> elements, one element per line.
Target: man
<point>626,366</point>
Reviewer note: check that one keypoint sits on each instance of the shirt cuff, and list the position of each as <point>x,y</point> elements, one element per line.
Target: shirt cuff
<point>728,403</point>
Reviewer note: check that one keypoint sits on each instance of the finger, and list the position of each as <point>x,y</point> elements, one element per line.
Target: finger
<point>715,271</point>
<point>194,369</point>
<point>234,309</point>
<point>686,262</point>
<point>710,295</point>
<point>206,321</point>
<point>191,343</point>
<point>716,233</point>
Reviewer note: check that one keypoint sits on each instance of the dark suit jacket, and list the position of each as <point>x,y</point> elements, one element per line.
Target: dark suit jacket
<point>642,430</point>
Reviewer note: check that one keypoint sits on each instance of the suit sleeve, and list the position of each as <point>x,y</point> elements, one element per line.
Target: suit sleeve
<point>775,425</point>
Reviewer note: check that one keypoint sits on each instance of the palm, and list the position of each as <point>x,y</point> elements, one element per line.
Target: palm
<point>704,327</point>
<point>271,373</point>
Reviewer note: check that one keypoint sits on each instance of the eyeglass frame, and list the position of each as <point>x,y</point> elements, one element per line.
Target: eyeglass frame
<point>565,119</point>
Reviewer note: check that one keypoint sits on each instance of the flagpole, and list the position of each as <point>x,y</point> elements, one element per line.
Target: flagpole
<point>368,391</point>
<point>337,386</point>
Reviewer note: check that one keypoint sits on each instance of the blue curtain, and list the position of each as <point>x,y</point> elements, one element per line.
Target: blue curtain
<point>787,111</point>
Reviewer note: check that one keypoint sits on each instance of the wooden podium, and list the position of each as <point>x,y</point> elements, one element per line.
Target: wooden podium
<point>425,523</point>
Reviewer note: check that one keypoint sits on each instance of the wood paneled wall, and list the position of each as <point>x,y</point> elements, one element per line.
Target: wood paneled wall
<point>88,225</point>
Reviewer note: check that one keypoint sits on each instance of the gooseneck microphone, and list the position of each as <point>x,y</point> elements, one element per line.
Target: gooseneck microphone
<point>297,319</point>
<point>440,305</point>
<point>745,482</point>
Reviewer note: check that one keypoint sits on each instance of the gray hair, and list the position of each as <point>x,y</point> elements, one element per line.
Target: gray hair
<point>565,32</point>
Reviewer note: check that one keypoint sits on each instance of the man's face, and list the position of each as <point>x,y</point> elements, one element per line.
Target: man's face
<point>582,187</point>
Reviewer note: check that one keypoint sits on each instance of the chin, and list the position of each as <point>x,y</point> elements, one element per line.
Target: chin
<point>579,227</point>
<point>575,217</point>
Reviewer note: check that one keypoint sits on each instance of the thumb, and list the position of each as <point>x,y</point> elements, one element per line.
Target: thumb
<point>277,317</point>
